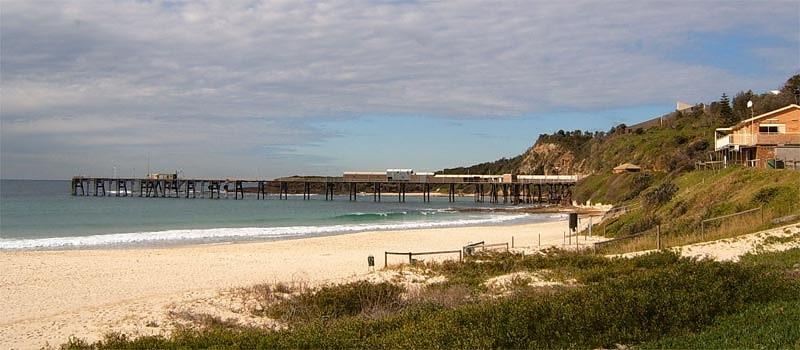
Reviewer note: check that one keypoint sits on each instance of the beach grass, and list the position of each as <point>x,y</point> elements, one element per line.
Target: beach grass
<point>614,301</point>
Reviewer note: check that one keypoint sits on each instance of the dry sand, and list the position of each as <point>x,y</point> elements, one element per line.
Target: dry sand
<point>731,249</point>
<point>47,296</point>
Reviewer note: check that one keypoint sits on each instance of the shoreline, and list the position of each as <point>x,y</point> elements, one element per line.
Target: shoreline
<point>240,235</point>
<point>51,295</point>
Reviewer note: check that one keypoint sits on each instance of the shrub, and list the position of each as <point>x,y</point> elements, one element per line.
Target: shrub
<point>331,302</point>
<point>660,195</point>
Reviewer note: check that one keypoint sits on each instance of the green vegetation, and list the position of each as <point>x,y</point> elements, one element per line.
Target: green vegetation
<point>330,302</point>
<point>659,298</point>
<point>500,166</point>
<point>770,326</point>
<point>682,202</point>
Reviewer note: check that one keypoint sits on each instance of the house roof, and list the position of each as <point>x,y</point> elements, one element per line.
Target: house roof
<point>627,166</point>
<point>746,122</point>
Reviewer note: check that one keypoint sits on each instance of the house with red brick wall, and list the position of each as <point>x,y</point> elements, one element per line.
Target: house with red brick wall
<point>769,140</point>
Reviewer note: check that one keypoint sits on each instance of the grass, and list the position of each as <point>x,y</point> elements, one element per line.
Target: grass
<point>731,228</point>
<point>762,326</point>
<point>703,195</point>
<point>329,302</point>
<point>771,325</point>
<point>618,301</point>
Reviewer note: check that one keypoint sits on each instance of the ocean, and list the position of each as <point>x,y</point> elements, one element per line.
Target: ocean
<point>43,215</point>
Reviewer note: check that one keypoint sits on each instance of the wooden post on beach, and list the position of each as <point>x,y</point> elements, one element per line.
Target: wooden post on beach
<point>512,241</point>
<point>658,236</point>
<point>540,241</point>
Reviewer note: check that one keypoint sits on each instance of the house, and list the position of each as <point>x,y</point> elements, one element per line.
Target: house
<point>627,168</point>
<point>769,140</point>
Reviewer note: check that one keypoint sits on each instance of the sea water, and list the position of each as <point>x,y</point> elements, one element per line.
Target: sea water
<point>43,215</point>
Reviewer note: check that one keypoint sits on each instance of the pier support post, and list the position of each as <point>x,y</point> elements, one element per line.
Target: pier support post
<point>77,182</point>
<point>238,188</point>
<point>353,191</point>
<point>124,187</point>
<point>213,186</point>
<point>452,193</point>
<point>99,184</point>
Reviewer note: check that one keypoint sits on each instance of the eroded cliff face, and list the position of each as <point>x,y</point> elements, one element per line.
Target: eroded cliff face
<point>550,159</point>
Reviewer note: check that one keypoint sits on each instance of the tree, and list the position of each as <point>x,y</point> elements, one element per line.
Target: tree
<point>792,88</point>
<point>740,104</point>
<point>725,111</point>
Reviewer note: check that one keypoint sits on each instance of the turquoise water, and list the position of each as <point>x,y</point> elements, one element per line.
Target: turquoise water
<point>43,215</point>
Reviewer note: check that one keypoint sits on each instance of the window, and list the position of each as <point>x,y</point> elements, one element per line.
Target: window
<point>772,128</point>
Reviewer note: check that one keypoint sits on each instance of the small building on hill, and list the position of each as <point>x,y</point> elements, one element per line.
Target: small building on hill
<point>769,140</point>
<point>627,168</point>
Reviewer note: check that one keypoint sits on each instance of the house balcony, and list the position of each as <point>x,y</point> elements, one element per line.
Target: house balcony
<point>751,140</point>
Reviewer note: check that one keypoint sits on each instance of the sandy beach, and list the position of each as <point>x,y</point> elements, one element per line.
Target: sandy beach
<point>48,296</point>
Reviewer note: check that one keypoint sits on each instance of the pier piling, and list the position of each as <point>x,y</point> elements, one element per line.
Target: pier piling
<point>554,192</point>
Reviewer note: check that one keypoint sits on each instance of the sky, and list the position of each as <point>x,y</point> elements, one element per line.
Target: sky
<point>263,89</point>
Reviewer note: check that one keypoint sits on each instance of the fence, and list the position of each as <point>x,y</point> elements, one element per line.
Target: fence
<point>703,223</point>
<point>620,210</point>
<point>470,248</point>
<point>466,250</point>
<point>709,165</point>
<point>657,229</point>
<point>412,254</point>
<point>639,234</point>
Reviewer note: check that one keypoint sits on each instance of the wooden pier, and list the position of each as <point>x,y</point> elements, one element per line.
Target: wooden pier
<point>542,189</point>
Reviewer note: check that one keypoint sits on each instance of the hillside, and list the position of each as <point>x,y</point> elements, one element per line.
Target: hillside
<point>669,143</point>
<point>680,203</point>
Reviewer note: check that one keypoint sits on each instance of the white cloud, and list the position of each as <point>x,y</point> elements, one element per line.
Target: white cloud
<point>221,61</point>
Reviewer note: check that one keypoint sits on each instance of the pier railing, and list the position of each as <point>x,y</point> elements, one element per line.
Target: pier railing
<point>525,189</point>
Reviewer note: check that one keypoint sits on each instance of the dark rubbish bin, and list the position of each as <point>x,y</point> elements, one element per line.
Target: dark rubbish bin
<point>371,261</point>
<point>573,221</point>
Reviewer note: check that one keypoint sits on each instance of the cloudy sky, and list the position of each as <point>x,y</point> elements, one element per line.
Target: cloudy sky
<point>273,88</point>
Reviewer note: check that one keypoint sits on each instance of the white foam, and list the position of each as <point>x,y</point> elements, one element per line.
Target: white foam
<point>224,234</point>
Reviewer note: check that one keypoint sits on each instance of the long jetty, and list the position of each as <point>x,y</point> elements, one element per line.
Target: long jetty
<point>523,189</point>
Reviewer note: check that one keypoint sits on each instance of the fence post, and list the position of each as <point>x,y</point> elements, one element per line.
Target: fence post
<point>409,258</point>
<point>385,259</point>
<point>658,235</point>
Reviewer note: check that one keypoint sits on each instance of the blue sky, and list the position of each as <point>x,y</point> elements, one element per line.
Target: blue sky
<point>272,88</point>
